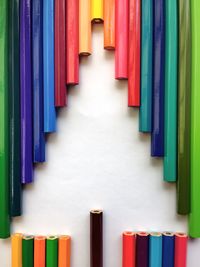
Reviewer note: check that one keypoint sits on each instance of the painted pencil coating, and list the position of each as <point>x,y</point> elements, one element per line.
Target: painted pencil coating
<point>168,250</point>
<point>145,116</point>
<point>181,241</point>
<point>171,53</point>
<point>134,53</point>
<point>60,55</point>
<point>97,11</point>
<point>121,39</point>
<point>4,122</point>
<point>16,245</point>
<point>96,238</point>
<point>129,244</point>
<point>157,137</point>
<point>155,250</point>
<point>39,251</point>
<point>37,70</point>
<point>142,250</point>
<point>184,108</point>
<point>52,251</point>
<point>28,251</point>
<point>72,42</point>
<point>109,24</point>
<point>64,251</point>
<point>85,29</point>
<point>194,221</point>
<point>14,92</point>
<point>48,66</point>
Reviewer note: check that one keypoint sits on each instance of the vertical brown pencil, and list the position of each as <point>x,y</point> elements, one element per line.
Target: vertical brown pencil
<point>96,238</point>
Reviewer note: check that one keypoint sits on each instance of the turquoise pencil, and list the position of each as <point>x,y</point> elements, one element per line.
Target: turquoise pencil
<point>155,250</point>
<point>171,91</point>
<point>146,67</point>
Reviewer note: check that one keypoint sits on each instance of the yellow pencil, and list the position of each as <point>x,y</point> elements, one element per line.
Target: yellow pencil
<point>97,11</point>
<point>16,241</point>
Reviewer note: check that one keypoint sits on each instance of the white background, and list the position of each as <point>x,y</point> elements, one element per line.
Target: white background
<point>97,159</point>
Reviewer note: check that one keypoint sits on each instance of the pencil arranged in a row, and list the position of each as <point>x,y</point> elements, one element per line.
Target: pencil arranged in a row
<point>154,249</point>
<point>41,251</point>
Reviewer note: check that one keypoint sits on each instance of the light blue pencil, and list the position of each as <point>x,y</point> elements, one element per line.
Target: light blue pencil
<point>155,250</point>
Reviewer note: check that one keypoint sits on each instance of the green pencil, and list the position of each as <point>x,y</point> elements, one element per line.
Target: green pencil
<point>52,251</point>
<point>28,251</point>
<point>4,124</point>
<point>194,220</point>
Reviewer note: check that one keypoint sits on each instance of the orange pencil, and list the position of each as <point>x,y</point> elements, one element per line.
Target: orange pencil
<point>39,251</point>
<point>109,24</point>
<point>85,28</point>
<point>64,251</point>
<point>16,241</point>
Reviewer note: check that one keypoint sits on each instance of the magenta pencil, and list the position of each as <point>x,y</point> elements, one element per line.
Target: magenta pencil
<point>121,39</point>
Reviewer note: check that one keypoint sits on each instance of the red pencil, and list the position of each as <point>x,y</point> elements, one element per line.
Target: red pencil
<point>129,244</point>
<point>134,53</point>
<point>121,39</point>
<point>72,41</point>
<point>60,86</point>
<point>180,250</point>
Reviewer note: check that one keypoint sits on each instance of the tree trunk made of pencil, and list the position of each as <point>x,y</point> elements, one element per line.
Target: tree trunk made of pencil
<point>28,251</point>
<point>4,122</point>
<point>64,251</point>
<point>181,241</point>
<point>129,245</point>
<point>96,238</point>
<point>96,11</point>
<point>39,251</point>
<point>14,93</point>
<point>60,54</point>
<point>134,53</point>
<point>48,66</point>
<point>37,72</point>
<point>109,24</point>
<point>157,136</point>
<point>16,248</point>
<point>184,109</point>
<point>52,251</point>
<point>194,221</point>
<point>155,250</point>
<point>168,250</point>
<point>26,92</point>
<point>145,116</point>
<point>142,249</point>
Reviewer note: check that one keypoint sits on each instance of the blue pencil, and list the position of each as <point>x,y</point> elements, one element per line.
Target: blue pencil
<point>157,138</point>
<point>38,104</point>
<point>155,250</point>
<point>48,57</point>
<point>145,122</point>
<point>168,250</point>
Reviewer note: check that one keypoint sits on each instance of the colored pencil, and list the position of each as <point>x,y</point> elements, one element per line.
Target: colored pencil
<point>184,108</point>
<point>28,251</point>
<point>109,24</point>
<point>48,66</point>
<point>157,137</point>
<point>16,244</point>
<point>171,90</point>
<point>97,11</point>
<point>168,250</point>
<point>85,29</point>
<point>181,241</point>
<point>134,53</point>
<point>4,123</point>
<point>39,251</point>
<point>37,70</point>
<point>26,92</point>
<point>96,238</point>
<point>129,244</point>
<point>142,250</point>
<point>72,42</point>
<point>60,55</point>
<point>194,222</point>
<point>64,251</point>
<point>52,251</point>
<point>155,250</point>
<point>14,94</point>
<point>121,39</point>
<point>145,115</point>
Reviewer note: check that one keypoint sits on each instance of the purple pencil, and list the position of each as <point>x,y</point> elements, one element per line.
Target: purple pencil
<point>142,249</point>
<point>26,91</point>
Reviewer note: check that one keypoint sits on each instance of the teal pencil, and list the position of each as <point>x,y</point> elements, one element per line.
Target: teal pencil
<point>171,91</point>
<point>146,66</point>
<point>155,250</point>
